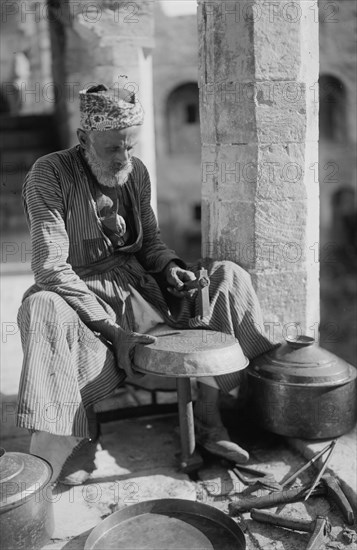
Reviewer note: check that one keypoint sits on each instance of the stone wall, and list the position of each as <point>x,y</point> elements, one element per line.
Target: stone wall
<point>259,129</point>
<point>25,61</point>
<point>25,58</point>
<point>174,62</point>
<point>107,42</point>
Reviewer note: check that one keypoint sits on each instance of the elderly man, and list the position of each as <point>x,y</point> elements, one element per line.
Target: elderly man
<point>103,278</point>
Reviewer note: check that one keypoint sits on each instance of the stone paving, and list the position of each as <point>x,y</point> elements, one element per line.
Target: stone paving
<point>137,461</point>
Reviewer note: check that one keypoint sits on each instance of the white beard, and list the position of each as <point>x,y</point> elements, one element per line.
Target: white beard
<point>105,175</point>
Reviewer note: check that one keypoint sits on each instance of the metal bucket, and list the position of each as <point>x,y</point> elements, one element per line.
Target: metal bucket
<point>26,510</point>
<point>302,390</point>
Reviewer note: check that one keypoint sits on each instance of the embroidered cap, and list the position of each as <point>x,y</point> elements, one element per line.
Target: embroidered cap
<point>103,109</point>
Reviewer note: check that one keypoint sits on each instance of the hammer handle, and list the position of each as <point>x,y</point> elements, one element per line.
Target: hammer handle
<point>203,293</point>
<point>245,504</point>
<point>280,521</point>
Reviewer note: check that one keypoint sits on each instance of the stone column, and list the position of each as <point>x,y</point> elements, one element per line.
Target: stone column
<point>99,42</point>
<point>258,73</point>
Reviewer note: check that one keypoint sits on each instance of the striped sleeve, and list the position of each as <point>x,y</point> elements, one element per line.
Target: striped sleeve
<point>154,254</point>
<point>44,208</point>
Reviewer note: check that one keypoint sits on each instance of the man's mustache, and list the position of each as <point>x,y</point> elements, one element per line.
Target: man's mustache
<point>114,168</point>
<point>123,167</point>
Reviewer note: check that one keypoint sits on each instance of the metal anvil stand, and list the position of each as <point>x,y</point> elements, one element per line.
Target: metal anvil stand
<point>186,354</point>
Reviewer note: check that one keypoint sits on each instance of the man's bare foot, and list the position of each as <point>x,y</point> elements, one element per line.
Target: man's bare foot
<point>210,431</point>
<point>80,464</point>
<point>216,441</point>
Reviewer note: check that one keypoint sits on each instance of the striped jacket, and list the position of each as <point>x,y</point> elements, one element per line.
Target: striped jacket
<point>71,254</point>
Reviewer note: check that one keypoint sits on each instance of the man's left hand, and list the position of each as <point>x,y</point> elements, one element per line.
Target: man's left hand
<point>177,278</point>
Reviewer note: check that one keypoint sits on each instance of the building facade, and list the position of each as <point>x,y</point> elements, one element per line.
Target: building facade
<point>27,89</point>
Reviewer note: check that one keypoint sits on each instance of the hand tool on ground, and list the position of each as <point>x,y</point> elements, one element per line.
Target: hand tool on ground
<point>293,476</point>
<point>321,472</point>
<point>320,527</point>
<point>333,489</point>
<point>245,504</point>
<point>328,486</point>
<point>262,479</point>
<point>257,478</point>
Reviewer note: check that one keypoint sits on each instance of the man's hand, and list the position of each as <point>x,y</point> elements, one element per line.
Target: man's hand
<point>124,346</point>
<point>177,279</point>
<point>123,342</point>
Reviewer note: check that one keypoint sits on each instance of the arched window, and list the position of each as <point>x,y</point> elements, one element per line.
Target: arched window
<point>183,120</point>
<point>332,120</point>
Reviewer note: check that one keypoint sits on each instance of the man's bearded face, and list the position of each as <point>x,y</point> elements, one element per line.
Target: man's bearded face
<point>108,154</point>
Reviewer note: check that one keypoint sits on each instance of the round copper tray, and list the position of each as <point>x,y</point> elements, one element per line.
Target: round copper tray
<point>191,352</point>
<point>167,524</point>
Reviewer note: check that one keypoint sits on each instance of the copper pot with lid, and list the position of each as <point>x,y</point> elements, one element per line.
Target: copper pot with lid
<point>302,390</point>
<point>26,510</point>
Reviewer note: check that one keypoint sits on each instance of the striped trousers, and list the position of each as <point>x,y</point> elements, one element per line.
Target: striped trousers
<point>67,368</point>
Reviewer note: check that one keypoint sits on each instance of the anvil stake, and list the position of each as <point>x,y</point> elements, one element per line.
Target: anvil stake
<point>320,527</point>
<point>203,293</point>
<point>202,284</point>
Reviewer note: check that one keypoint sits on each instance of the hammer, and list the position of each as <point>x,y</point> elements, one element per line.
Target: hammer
<point>320,527</point>
<point>328,486</point>
<point>201,283</point>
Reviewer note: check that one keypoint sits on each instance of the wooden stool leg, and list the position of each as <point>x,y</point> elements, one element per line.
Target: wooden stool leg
<point>190,459</point>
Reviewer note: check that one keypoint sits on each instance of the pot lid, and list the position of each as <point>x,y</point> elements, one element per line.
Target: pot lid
<point>21,475</point>
<point>301,361</point>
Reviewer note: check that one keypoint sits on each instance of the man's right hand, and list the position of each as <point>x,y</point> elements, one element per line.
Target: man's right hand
<point>124,345</point>
<point>123,342</point>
